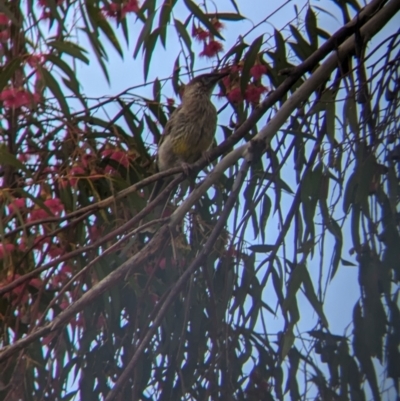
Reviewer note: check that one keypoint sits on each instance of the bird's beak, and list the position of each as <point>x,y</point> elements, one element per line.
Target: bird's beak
<point>219,75</point>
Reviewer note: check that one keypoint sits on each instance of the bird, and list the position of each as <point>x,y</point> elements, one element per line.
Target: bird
<point>190,130</point>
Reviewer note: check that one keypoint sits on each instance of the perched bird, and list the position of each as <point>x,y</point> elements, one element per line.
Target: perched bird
<point>191,128</point>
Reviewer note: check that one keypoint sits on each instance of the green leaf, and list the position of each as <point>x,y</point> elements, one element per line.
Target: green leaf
<point>158,112</point>
<point>355,226</point>
<point>236,50</point>
<point>136,130</point>
<point>65,68</point>
<point>264,248</point>
<point>72,86</point>
<point>226,16</point>
<point>182,32</point>
<point>287,343</point>
<point>365,176</point>
<point>323,34</point>
<point>149,45</point>
<point>165,16</point>
<point>108,32</point>
<point>193,8</point>
<point>334,228</point>
<point>157,90</point>
<point>295,280</point>
<point>54,87</point>
<point>330,121</point>
<point>347,263</point>
<point>55,14</point>
<point>292,382</point>
<point>7,158</point>
<point>144,34</point>
<point>276,173</point>
<point>10,14</point>
<point>311,27</point>
<point>153,127</point>
<point>175,76</point>
<point>100,22</point>
<point>70,48</point>
<point>280,52</point>
<point>327,98</point>
<point>98,50</point>
<point>265,212</point>
<point>349,192</point>
<point>277,283</point>
<point>249,61</point>
<point>309,292</point>
<point>283,185</point>
<point>302,48</point>
<point>351,114</point>
<point>235,6</point>
<point>249,204</point>
<point>8,71</point>
<point>125,30</point>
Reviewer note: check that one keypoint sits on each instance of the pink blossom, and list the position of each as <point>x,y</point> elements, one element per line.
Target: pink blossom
<point>23,157</point>
<point>55,251</point>
<point>111,10</point>
<point>253,93</point>
<point>218,25</point>
<point>35,59</point>
<point>258,70</point>
<point>4,35</point>
<point>199,33</point>
<point>16,204</point>
<point>36,282</point>
<point>44,3</point>
<point>120,157</point>
<point>131,6</point>
<point>87,158</point>
<point>38,214</point>
<point>211,49</point>
<point>16,98</point>
<point>107,152</point>
<point>4,20</point>
<point>5,249</point>
<point>116,10</point>
<point>76,170</point>
<point>235,95</point>
<point>40,241</point>
<point>55,205</point>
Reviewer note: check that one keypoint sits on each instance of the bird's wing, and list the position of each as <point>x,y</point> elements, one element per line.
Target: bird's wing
<point>167,131</point>
<point>169,124</point>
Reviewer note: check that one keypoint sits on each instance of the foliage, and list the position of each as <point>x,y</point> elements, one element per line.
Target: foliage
<point>91,307</point>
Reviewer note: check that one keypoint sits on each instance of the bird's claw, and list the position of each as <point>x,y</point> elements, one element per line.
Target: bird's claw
<point>206,156</point>
<point>186,168</point>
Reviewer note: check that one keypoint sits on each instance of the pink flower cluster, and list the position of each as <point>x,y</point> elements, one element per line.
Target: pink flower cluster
<point>53,204</point>
<point>4,20</point>
<point>211,47</point>
<point>44,4</point>
<point>16,98</point>
<point>253,91</point>
<point>118,10</point>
